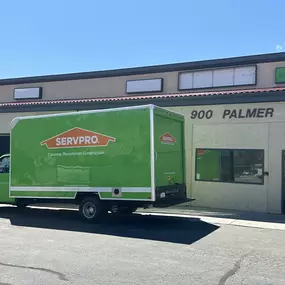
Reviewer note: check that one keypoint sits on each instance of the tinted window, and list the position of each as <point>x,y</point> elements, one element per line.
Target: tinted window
<point>227,165</point>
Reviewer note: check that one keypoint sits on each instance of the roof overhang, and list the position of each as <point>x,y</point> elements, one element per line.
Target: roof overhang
<point>175,99</point>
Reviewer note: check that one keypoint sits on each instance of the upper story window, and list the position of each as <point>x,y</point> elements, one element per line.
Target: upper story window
<point>213,78</point>
<point>28,93</point>
<point>144,85</point>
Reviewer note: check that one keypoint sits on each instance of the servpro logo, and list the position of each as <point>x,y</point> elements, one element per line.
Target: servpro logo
<point>77,137</point>
<point>167,138</point>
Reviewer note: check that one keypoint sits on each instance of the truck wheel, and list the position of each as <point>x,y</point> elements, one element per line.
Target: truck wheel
<point>90,209</point>
<point>21,206</point>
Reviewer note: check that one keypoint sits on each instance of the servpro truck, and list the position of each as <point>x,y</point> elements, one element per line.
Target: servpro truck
<point>114,160</point>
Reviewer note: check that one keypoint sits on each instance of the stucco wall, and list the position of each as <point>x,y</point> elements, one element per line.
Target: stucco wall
<point>115,86</point>
<point>267,133</point>
<point>6,118</point>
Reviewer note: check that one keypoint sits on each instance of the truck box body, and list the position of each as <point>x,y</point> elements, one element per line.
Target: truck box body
<point>132,154</point>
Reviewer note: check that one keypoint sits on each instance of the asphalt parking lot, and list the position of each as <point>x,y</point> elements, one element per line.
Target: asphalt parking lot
<point>43,246</point>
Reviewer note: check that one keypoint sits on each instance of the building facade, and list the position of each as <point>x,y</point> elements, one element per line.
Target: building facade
<point>234,110</point>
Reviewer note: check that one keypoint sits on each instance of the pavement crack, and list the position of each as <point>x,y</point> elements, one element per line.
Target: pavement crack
<point>60,275</point>
<point>232,271</point>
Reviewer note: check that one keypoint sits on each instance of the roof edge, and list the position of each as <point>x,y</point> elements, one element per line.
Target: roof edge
<point>201,64</point>
<point>145,98</point>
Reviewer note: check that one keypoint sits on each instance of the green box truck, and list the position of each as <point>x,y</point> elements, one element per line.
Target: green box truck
<point>114,160</point>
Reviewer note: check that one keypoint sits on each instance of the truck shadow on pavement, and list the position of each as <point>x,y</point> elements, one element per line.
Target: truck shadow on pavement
<point>157,228</point>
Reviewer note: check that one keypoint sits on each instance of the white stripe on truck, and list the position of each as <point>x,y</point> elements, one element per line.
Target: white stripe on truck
<point>79,189</point>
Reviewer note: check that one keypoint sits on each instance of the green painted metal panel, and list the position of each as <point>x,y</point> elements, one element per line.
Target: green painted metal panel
<point>104,149</point>
<point>169,148</point>
<point>96,149</point>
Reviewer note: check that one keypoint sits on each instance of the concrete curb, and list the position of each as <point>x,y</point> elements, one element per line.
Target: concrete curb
<point>252,220</point>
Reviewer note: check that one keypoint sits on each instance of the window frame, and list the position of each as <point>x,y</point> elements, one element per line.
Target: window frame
<point>232,166</point>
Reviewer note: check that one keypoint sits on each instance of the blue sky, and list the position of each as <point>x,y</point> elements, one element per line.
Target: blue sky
<point>51,37</point>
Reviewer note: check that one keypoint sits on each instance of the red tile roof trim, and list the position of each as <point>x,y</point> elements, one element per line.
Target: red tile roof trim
<point>144,97</point>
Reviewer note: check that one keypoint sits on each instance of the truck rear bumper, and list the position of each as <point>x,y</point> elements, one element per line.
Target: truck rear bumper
<point>171,195</point>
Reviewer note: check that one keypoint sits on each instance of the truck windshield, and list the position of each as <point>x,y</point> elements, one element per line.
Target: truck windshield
<point>5,162</point>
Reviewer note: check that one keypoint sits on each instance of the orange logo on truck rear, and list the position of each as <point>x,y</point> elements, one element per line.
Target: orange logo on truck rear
<point>167,138</point>
<point>77,137</point>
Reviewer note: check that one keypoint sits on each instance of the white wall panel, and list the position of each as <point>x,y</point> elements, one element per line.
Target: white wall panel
<point>239,131</point>
<point>245,197</point>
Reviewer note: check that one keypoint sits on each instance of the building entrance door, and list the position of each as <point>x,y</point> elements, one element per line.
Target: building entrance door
<point>283,183</point>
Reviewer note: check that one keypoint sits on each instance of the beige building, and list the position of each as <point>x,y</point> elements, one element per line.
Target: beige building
<point>234,110</point>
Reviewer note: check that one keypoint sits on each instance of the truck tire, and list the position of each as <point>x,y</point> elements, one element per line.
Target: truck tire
<point>91,209</point>
<point>21,206</point>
